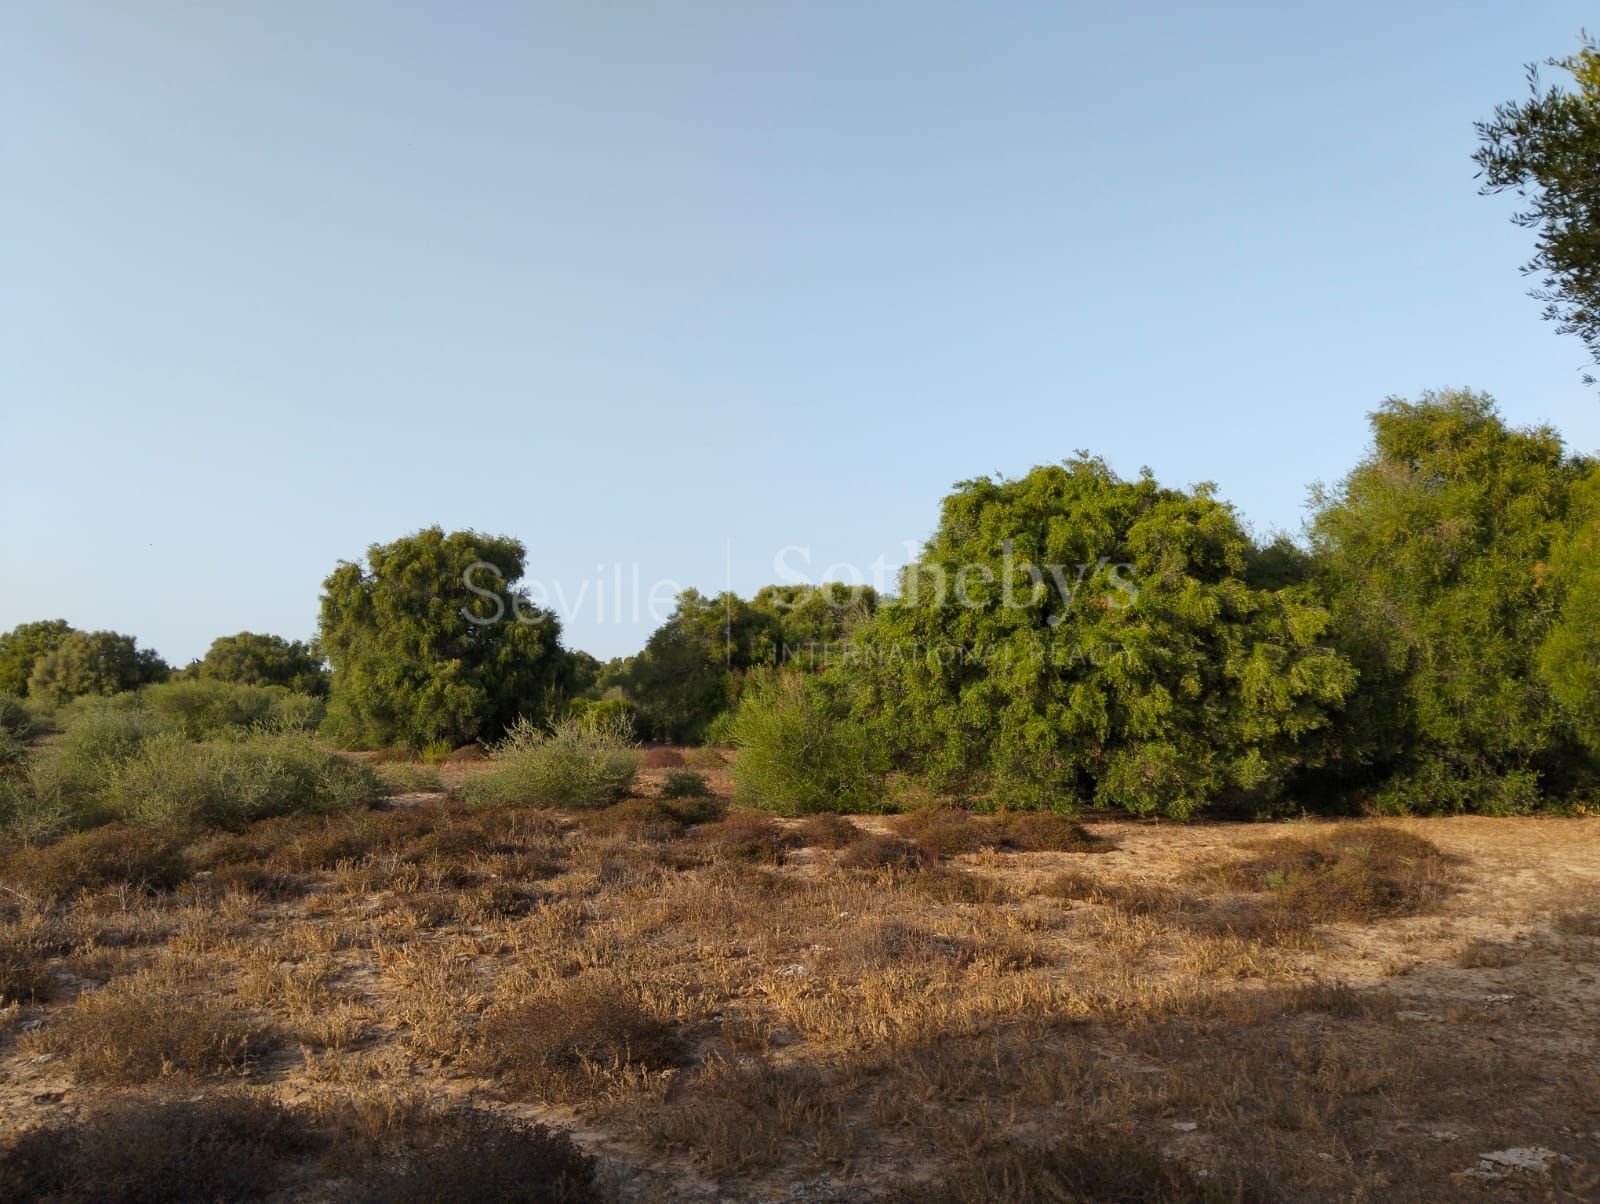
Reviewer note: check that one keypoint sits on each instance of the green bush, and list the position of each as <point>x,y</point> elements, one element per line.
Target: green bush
<point>1071,637</point>
<point>565,765</point>
<point>685,783</point>
<point>15,718</point>
<point>595,714</point>
<point>799,752</point>
<point>202,709</point>
<point>172,781</point>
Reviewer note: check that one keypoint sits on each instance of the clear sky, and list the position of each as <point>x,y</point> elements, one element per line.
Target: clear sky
<point>680,284</point>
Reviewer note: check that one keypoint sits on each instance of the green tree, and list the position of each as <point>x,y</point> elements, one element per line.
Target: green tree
<point>1546,149</point>
<point>1435,553</point>
<point>251,659</point>
<point>691,667</point>
<point>94,663</point>
<point>1071,637</point>
<point>814,621</point>
<point>432,642</point>
<point>22,646</point>
<point>1569,658</point>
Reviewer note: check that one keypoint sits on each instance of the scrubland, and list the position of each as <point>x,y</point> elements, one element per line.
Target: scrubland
<point>666,997</point>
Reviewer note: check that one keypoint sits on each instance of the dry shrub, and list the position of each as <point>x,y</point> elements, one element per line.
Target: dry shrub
<point>1350,872</point>
<point>1578,923</point>
<point>558,1044</point>
<point>475,1155</point>
<point>942,885</point>
<point>704,758</point>
<point>24,965</point>
<point>226,1146</point>
<point>1089,1169</point>
<point>662,758</point>
<point>883,853</point>
<point>826,830</point>
<point>746,836</point>
<point>113,855</point>
<point>951,831</point>
<point>638,819</point>
<point>137,1029</point>
<point>655,819</point>
<point>734,1117</point>
<point>1484,955</point>
<point>1046,832</point>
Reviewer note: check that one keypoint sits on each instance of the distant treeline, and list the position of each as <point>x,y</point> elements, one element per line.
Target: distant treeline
<point>1065,639</point>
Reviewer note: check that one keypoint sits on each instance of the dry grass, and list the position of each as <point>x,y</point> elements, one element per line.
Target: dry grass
<point>946,1006</point>
<point>949,831</point>
<point>574,1039</point>
<point>137,1029</point>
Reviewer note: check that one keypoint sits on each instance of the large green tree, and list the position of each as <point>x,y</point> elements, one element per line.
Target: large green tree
<point>690,669</point>
<point>94,663</point>
<point>252,659</point>
<point>1072,637</point>
<point>1435,554</point>
<point>432,642</point>
<point>1569,658</point>
<point>22,646</point>
<point>1546,149</point>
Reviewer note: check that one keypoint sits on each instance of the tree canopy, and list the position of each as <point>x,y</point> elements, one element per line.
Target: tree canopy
<point>94,663</point>
<point>433,643</point>
<point>22,646</point>
<point>1546,149</point>
<point>252,659</point>
<point>1072,637</point>
<point>1436,555</point>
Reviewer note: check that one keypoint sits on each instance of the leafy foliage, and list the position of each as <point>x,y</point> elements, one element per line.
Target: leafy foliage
<point>1071,637</point>
<point>21,648</point>
<point>799,750</point>
<point>1547,150</point>
<point>93,663</point>
<point>1435,553</point>
<point>202,709</point>
<point>433,643</point>
<point>568,764</point>
<point>249,659</point>
<point>1569,658</point>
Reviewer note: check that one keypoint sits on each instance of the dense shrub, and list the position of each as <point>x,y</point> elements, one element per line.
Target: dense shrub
<point>135,1149</point>
<point>799,751</point>
<point>113,855</point>
<point>15,719</point>
<point>1436,553</point>
<point>604,714</point>
<point>471,1155</point>
<point>434,644</point>
<point>1071,637</point>
<point>172,781</point>
<point>564,765</point>
<point>201,709</point>
<point>685,783</point>
<point>93,663</point>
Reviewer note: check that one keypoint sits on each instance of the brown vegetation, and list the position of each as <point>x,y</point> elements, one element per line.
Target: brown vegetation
<point>937,1006</point>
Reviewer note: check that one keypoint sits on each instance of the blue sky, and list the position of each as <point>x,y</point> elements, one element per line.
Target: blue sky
<point>682,284</point>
